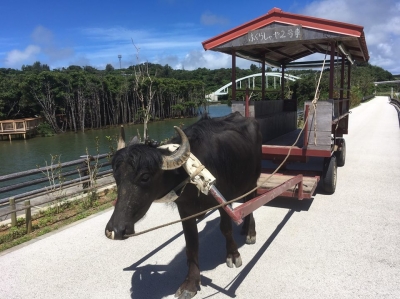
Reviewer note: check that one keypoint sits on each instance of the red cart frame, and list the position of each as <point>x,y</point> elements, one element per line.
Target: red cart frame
<point>279,39</point>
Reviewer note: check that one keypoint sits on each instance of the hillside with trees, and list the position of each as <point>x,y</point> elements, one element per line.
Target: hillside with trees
<point>78,98</point>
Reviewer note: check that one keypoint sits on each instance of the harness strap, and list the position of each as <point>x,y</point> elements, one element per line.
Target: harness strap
<point>179,189</point>
<point>172,195</point>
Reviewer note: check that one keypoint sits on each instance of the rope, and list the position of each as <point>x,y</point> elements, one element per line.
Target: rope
<point>314,102</point>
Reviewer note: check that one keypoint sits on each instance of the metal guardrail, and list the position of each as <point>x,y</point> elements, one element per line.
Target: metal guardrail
<point>366,98</point>
<point>395,102</point>
<point>39,181</point>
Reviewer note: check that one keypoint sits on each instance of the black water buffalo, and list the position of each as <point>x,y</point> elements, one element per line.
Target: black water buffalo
<point>230,148</point>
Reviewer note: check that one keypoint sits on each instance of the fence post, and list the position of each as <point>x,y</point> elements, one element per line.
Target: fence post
<point>13,214</point>
<point>28,216</point>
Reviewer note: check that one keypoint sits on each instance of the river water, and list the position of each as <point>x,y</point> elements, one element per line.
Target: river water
<point>20,155</point>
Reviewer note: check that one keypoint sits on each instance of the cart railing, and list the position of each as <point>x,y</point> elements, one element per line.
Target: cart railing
<point>340,107</point>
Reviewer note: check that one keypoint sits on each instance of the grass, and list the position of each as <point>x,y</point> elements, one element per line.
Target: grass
<point>54,218</point>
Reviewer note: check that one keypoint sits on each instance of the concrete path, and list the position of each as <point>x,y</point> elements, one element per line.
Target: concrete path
<point>345,245</point>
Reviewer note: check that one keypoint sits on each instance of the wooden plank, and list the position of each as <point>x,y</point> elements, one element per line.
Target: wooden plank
<point>322,118</point>
<point>274,151</point>
<point>321,140</point>
<point>273,126</point>
<point>320,125</point>
<point>309,183</point>
<point>287,139</point>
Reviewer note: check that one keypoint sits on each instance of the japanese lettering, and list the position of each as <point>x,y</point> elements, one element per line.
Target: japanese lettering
<point>276,34</point>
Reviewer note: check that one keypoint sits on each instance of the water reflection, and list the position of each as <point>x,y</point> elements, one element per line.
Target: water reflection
<point>20,155</point>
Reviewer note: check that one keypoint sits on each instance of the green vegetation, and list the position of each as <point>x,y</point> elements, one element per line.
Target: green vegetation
<point>45,130</point>
<point>53,218</point>
<point>77,98</point>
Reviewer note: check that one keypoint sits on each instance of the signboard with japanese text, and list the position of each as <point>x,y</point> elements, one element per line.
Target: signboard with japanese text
<point>274,35</point>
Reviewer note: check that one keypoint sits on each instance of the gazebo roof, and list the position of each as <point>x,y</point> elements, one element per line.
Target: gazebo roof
<point>280,38</point>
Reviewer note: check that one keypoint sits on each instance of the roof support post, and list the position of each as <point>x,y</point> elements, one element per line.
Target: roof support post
<point>348,79</point>
<point>283,83</point>
<point>332,69</point>
<point>263,78</point>
<point>342,77</point>
<point>233,75</point>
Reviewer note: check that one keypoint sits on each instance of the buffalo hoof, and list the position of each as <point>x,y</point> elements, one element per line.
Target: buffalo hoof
<point>231,260</point>
<point>185,294</point>
<point>250,240</point>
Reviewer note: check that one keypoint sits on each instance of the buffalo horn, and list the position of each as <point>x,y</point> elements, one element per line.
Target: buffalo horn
<point>121,140</point>
<point>178,158</point>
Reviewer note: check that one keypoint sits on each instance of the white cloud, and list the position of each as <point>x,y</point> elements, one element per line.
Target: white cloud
<point>163,47</point>
<point>385,49</point>
<point>179,44</point>
<point>42,35</point>
<point>114,34</point>
<point>43,48</point>
<point>45,39</point>
<point>208,18</point>
<point>209,60</point>
<point>380,19</point>
<point>16,58</point>
<point>149,40</point>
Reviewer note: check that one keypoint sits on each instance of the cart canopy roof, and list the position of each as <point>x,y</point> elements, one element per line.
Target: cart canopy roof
<point>279,38</point>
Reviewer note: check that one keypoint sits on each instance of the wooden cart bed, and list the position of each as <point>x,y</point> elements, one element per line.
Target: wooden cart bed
<point>309,185</point>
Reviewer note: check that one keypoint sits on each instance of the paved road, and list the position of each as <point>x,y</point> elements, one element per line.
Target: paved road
<point>345,245</point>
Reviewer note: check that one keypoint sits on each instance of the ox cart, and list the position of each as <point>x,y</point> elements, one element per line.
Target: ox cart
<point>297,162</point>
<point>288,154</point>
<point>309,156</point>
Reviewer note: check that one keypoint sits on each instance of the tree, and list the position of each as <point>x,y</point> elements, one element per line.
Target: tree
<point>73,68</point>
<point>254,68</point>
<point>43,88</point>
<point>90,69</point>
<point>109,68</point>
<point>143,88</point>
<point>36,67</point>
<point>86,97</point>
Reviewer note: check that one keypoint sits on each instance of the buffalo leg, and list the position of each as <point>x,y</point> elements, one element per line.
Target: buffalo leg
<point>249,229</point>
<point>232,253</point>
<point>191,284</point>
<point>249,225</point>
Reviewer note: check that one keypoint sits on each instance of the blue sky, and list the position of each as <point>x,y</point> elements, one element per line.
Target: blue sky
<point>61,33</point>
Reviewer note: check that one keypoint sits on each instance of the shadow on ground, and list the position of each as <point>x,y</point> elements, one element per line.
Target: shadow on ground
<point>158,281</point>
<point>161,280</point>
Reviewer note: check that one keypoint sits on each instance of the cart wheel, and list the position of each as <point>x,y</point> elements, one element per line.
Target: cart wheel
<point>341,155</point>
<point>329,175</point>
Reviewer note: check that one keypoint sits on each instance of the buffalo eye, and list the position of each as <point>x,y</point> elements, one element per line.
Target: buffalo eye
<point>145,178</point>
